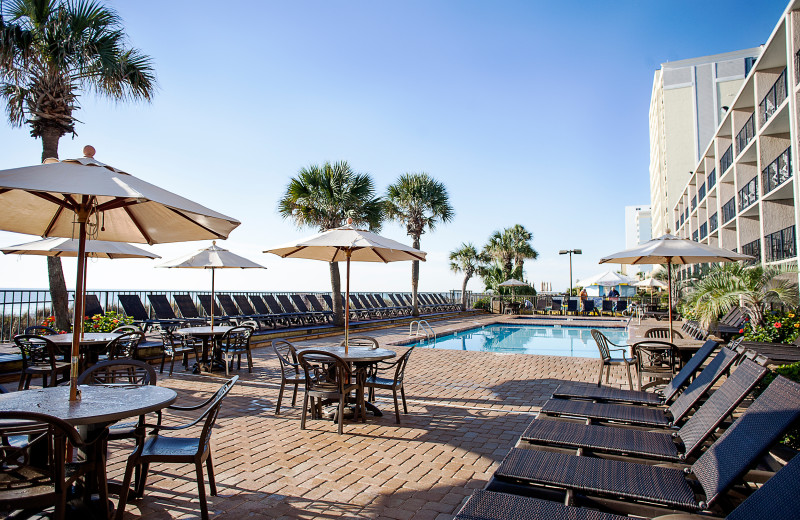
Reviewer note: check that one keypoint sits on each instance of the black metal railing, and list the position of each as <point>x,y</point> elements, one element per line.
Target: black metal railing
<point>726,160</point>
<point>701,192</point>
<point>797,67</point>
<point>753,249</point>
<point>686,213</point>
<point>746,134</point>
<point>777,172</point>
<point>694,236</point>
<point>729,210</point>
<point>781,245</point>
<point>683,218</point>
<point>694,202</point>
<point>677,225</point>
<point>703,230</point>
<point>711,180</point>
<point>712,223</point>
<point>775,96</point>
<point>748,195</point>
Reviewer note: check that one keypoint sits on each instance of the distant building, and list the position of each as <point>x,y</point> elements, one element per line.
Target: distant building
<point>637,231</point>
<point>688,101</point>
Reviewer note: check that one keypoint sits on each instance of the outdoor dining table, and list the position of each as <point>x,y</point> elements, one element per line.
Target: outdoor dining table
<point>92,343</point>
<point>686,346</point>
<point>206,334</point>
<point>361,358</point>
<point>98,407</point>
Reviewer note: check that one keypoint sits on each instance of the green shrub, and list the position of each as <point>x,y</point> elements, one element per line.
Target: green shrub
<point>792,371</point>
<point>483,304</point>
<point>106,322</point>
<point>780,327</point>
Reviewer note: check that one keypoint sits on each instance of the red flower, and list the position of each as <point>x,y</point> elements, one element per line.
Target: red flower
<point>777,324</point>
<point>741,331</point>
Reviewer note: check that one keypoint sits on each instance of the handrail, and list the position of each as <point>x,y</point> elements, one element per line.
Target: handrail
<point>423,329</point>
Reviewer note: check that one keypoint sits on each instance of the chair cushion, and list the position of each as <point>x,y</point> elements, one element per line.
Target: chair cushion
<point>490,505</point>
<point>608,411</point>
<point>158,446</point>
<point>606,393</point>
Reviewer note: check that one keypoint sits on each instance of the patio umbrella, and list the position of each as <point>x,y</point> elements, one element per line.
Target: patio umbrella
<point>513,283</point>
<point>669,249</point>
<point>651,283</point>
<point>343,245</point>
<point>87,198</point>
<point>606,279</point>
<point>213,258</point>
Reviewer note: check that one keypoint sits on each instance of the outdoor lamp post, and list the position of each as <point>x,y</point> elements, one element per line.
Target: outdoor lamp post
<point>570,253</point>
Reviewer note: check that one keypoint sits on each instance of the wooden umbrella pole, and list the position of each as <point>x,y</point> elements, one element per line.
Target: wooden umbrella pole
<point>212,299</point>
<point>79,299</point>
<point>669,300</point>
<point>347,306</point>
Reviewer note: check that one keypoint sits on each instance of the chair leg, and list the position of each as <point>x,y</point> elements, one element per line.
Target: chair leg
<point>294,395</point>
<point>171,365</point>
<point>249,361</point>
<point>608,374</point>
<point>280,396</point>
<point>396,405</point>
<point>142,482</point>
<point>403,395</point>
<point>340,415</point>
<point>164,359</point>
<point>212,483</point>
<point>305,412</point>
<point>201,490</point>
<point>22,377</point>
<point>123,493</point>
<point>600,379</point>
<point>630,382</point>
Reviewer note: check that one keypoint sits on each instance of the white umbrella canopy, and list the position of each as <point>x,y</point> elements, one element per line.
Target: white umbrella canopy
<point>651,283</point>
<point>68,247</point>
<point>606,279</point>
<point>343,245</point>
<point>213,258</point>
<point>64,198</point>
<point>513,282</point>
<point>669,249</point>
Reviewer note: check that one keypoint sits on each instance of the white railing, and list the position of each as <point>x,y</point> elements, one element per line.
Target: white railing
<point>421,328</point>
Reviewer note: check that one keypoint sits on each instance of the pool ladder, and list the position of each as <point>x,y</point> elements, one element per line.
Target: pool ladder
<point>423,329</point>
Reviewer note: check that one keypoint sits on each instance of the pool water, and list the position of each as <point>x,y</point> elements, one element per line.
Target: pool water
<point>528,339</point>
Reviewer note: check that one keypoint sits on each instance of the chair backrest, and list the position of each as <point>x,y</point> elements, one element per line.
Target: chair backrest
<point>361,341</point>
<point>721,363</point>
<point>133,306</point>
<point>124,346</point>
<point>39,330</point>
<point>355,303</point>
<point>662,332</point>
<point>286,304</point>
<point>161,307</point>
<point>206,301</point>
<point>212,412</point>
<point>91,306</point>
<point>237,338</point>
<point>761,425</point>
<point>299,303</point>
<point>319,365</point>
<point>186,306</point>
<point>258,303</point>
<point>372,301</point>
<point>621,305</point>
<point>572,305</point>
<point>328,301</point>
<point>287,356</point>
<point>366,303</point>
<point>688,370</point>
<point>588,305</point>
<point>721,403</point>
<point>556,305</point>
<point>608,306</point>
<point>400,368</point>
<point>601,340</point>
<point>122,329</point>
<point>36,351</point>
<point>228,307</point>
<point>397,302</point>
<point>119,372</point>
<point>244,304</point>
<point>776,499</point>
<point>314,302</point>
<point>541,304</point>
<point>381,301</point>
<point>273,305</point>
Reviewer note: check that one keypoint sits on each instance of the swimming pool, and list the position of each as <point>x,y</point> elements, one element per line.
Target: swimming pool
<point>528,339</point>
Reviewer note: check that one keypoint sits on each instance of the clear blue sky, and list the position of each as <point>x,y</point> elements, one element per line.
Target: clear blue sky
<point>530,112</point>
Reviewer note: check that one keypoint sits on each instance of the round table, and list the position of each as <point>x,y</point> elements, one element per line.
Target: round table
<point>361,358</point>
<point>89,342</point>
<point>686,346</point>
<point>205,334</point>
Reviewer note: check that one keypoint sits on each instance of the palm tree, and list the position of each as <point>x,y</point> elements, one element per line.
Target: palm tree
<point>419,202</point>
<point>510,248</point>
<point>50,51</point>
<point>324,197</point>
<point>467,260</point>
<point>724,287</point>
<point>520,239</point>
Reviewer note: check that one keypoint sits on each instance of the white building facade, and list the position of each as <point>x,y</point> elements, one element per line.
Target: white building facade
<point>637,231</point>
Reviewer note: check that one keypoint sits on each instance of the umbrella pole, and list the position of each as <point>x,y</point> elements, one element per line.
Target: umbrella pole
<point>347,305</point>
<point>78,307</point>
<point>212,299</point>
<point>669,299</point>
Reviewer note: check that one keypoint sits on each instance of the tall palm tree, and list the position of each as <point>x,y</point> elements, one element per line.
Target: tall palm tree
<point>467,260</point>
<point>520,239</point>
<point>725,286</point>
<point>50,52</point>
<point>324,197</point>
<point>419,202</point>
<point>510,248</point>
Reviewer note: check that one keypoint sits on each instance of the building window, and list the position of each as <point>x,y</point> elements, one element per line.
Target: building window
<point>774,98</point>
<point>729,210</point>
<point>701,192</point>
<point>778,171</point>
<point>694,203</point>
<point>781,245</point>
<point>726,160</point>
<point>712,223</point>
<point>712,179</point>
<point>694,235</point>
<point>749,194</point>
<point>753,249</point>
<point>703,230</point>
<point>746,134</point>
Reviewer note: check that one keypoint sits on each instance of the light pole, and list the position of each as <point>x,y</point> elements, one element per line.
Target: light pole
<point>570,253</point>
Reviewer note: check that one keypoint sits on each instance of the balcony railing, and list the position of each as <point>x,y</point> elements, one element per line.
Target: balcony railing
<point>797,67</point>
<point>781,245</point>
<point>753,249</point>
<point>686,213</point>
<point>694,235</point>
<point>729,210</point>
<point>683,219</point>
<point>703,230</point>
<point>701,192</point>
<point>712,223</point>
<point>677,225</point>
<point>749,194</point>
<point>726,160</point>
<point>694,202</point>
<point>712,179</point>
<point>778,171</point>
<point>774,98</point>
<point>746,134</point>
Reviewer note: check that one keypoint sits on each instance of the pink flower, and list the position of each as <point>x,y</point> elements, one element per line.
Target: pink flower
<point>778,325</point>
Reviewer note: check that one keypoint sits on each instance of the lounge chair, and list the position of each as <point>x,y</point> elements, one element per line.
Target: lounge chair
<point>541,306</point>
<point>621,307</point>
<point>164,311</point>
<point>608,307</point>
<point>357,309</point>
<point>286,311</point>
<point>774,500</point>
<point>134,308</point>
<point>694,330</point>
<point>647,416</point>
<point>188,308</point>
<point>318,308</point>
<point>279,319</point>
<point>719,468</point>
<point>572,307</point>
<point>394,310</point>
<point>266,320</point>
<point>91,306</point>
<point>607,393</point>
<point>588,307</point>
<point>378,308</point>
<point>668,445</point>
<point>230,309</point>
<point>219,313</point>
<point>313,316</point>
<point>400,304</point>
<point>555,306</point>
<point>354,316</point>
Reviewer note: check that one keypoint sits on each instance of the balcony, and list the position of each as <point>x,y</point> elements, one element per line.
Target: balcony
<point>703,230</point>
<point>753,249</point>
<point>712,179</point>
<point>701,192</point>
<point>774,98</point>
<point>694,202</point>
<point>726,160</point>
<point>778,171</point>
<point>694,236</point>
<point>781,245</point>
<point>749,194</point>
<point>746,134</point>
<point>683,219</point>
<point>712,223</point>
<point>729,210</point>
<point>677,225</point>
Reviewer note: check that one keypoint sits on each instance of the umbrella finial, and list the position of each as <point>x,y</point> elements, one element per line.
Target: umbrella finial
<point>89,151</point>
<point>50,160</point>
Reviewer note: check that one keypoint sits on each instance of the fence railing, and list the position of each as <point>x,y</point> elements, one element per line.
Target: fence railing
<point>712,223</point>
<point>748,195</point>
<point>711,180</point>
<point>746,134</point>
<point>753,249</point>
<point>726,160</point>
<point>777,172</point>
<point>775,96</point>
<point>729,210</point>
<point>781,245</point>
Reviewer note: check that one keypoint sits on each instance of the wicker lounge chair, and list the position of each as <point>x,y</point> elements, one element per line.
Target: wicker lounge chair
<point>357,309</point>
<point>278,320</point>
<point>91,306</point>
<point>164,310</point>
<point>773,500</point>
<point>588,308</point>
<point>134,308</point>
<point>608,307</point>
<point>230,309</point>
<point>648,416</point>
<point>650,444</point>
<point>391,308</point>
<point>607,393</point>
<point>621,307</point>
<point>720,467</point>
<point>329,302</point>
<point>401,304</point>
<point>383,310</point>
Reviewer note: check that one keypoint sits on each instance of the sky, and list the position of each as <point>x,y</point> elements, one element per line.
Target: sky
<point>532,113</point>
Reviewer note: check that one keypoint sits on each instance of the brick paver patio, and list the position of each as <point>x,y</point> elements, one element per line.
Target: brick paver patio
<point>466,410</point>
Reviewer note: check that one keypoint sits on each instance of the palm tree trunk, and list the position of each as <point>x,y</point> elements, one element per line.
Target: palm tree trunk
<point>415,280</point>
<point>464,293</point>
<point>336,295</point>
<point>55,272</point>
